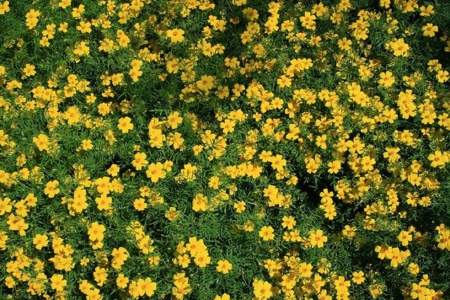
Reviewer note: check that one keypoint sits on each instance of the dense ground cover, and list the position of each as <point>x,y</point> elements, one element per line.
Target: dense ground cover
<point>235,149</point>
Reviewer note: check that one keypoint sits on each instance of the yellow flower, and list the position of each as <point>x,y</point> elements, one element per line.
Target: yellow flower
<point>284,81</point>
<point>81,49</point>
<point>206,82</point>
<point>278,162</point>
<point>42,142</point>
<point>202,259</point>
<point>386,79</point>
<point>413,268</point>
<point>396,256</point>
<point>29,70</point>
<point>84,27</point>
<point>227,126</point>
<point>430,30</point>
<point>168,164</point>
<point>308,21</point>
<point>51,188</point>
<point>438,159</point>
<point>5,206</point>
<point>63,27</point>
<point>64,3</point>
<point>175,35</point>
<point>155,172</point>
<point>214,182</point>
<point>316,238</point>
<point>344,44</point>
<point>84,261</point>
<point>341,285</point>
<point>442,76</point>
<point>125,124</point>
<point>188,172</point>
<point>78,11</point>
<point>96,231</point>
<point>146,287</point>
<point>405,237</point>
<point>358,277</point>
<point>72,115</point>
<point>239,206</point>
<point>262,289</point>
<point>419,292</point>
<point>175,140</point>
<point>157,138</point>
<point>288,222</point>
<point>334,166</point>
<point>259,50</point>
<point>391,154</point>
<point>122,39</point>
<point>104,108</point>
<point>40,240</point>
<point>103,185</point>
<point>224,266</point>
<point>426,11</point>
<point>385,3</point>
<point>32,18</point>
<point>103,202</point>
<point>199,203</point>
<point>321,141</point>
<point>4,7</point>
<point>86,144</point>
<point>139,204</point>
<point>79,200</point>
<point>172,214</point>
<point>223,297</point>
<point>113,170</point>
<point>139,161</point>
<point>239,2</point>
<point>58,282</point>
<point>266,233</point>
<point>17,223</point>
<point>174,119</point>
<point>122,281</point>
<point>399,47</point>
<point>135,73</point>
<point>100,275</point>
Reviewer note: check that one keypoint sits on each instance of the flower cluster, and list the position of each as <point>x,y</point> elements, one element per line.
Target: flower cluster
<point>234,149</point>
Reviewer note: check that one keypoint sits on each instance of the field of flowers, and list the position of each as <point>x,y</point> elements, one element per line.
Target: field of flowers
<point>217,150</point>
